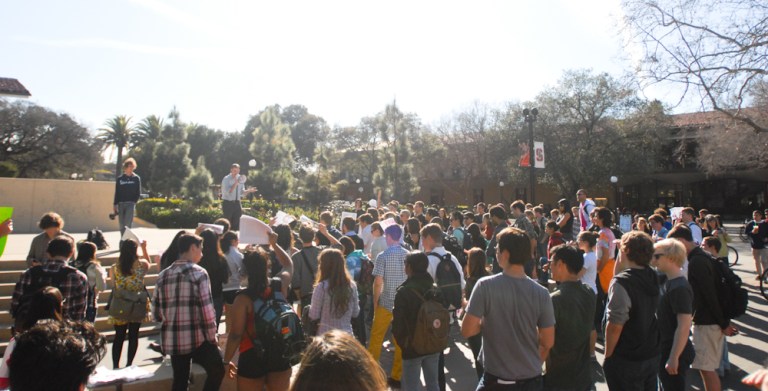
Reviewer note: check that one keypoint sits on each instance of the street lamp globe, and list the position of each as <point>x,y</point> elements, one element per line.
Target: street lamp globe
<point>614,179</point>
<point>252,163</point>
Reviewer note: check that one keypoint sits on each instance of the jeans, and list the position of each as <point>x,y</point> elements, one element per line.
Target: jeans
<point>625,375</point>
<point>382,319</point>
<point>476,343</point>
<point>492,383</point>
<point>218,306</point>
<point>206,355</point>
<point>675,382</point>
<point>232,210</point>
<point>412,369</point>
<point>125,212</point>
<point>358,324</point>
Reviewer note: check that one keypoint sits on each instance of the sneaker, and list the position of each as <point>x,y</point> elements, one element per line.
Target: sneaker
<point>392,383</point>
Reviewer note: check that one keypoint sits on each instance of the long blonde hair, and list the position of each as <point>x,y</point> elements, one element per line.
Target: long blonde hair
<point>333,269</point>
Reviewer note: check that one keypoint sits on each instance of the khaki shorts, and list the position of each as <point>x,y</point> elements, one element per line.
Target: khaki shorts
<point>708,344</point>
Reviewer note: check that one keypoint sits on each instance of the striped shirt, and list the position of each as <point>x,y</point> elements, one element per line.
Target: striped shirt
<point>390,265</point>
<point>184,305</point>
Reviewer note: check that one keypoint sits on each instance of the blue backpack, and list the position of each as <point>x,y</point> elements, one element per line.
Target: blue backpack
<point>279,335</point>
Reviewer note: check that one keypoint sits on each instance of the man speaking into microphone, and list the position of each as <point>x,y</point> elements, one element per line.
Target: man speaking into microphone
<point>232,190</point>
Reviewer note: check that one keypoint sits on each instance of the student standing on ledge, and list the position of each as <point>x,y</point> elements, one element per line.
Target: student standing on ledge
<point>127,193</point>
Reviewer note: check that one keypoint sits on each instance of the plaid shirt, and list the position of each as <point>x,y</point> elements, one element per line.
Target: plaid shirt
<point>390,265</point>
<point>183,303</point>
<point>74,288</point>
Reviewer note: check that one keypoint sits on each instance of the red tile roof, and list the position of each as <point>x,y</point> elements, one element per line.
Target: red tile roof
<point>13,87</point>
<point>709,118</point>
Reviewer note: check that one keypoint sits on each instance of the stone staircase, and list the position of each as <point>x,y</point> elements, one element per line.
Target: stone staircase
<point>11,271</point>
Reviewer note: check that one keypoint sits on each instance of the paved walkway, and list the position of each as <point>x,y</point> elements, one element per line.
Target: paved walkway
<point>748,350</point>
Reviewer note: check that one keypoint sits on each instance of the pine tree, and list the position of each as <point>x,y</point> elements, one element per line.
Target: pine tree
<point>273,150</point>
<point>171,163</point>
<point>197,187</point>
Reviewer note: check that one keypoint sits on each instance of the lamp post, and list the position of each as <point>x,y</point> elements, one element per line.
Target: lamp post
<point>530,118</point>
<point>501,191</point>
<point>615,182</point>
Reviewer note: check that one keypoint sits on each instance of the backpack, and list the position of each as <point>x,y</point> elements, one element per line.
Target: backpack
<point>96,237</point>
<point>452,245</point>
<point>91,297</point>
<point>432,324</point>
<point>448,280</point>
<point>39,279</point>
<point>733,298</point>
<point>364,280</point>
<point>279,334</point>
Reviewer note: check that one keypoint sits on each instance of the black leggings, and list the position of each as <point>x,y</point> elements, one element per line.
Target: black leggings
<point>133,343</point>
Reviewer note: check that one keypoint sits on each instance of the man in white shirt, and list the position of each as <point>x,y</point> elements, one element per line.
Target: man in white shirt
<point>432,240</point>
<point>586,206</point>
<point>688,217</point>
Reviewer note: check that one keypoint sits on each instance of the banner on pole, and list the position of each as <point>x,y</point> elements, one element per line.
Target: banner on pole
<point>538,150</point>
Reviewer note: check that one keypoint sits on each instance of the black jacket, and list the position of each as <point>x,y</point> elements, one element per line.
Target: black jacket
<point>702,277</point>
<point>640,339</point>
<point>127,189</point>
<point>407,305</point>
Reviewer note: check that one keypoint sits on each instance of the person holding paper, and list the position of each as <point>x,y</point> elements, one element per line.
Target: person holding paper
<point>127,194</point>
<point>232,190</point>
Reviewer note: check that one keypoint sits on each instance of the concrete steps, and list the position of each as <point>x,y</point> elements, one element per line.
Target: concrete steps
<point>12,270</point>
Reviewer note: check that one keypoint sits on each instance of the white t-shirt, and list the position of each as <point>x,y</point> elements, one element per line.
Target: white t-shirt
<point>590,276</point>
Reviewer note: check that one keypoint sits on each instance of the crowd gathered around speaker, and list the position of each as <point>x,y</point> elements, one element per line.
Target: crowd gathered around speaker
<point>534,292</point>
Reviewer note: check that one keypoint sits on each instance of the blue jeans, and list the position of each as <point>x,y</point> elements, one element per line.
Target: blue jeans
<point>412,369</point>
<point>493,383</point>
<point>125,211</point>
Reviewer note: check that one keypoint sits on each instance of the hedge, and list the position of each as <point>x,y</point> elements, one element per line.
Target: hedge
<point>177,213</point>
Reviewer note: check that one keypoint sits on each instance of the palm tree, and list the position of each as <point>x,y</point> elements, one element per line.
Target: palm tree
<point>117,133</point>
<point>147,131</point>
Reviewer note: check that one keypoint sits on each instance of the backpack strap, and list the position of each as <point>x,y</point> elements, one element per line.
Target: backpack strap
<point>306,261</point>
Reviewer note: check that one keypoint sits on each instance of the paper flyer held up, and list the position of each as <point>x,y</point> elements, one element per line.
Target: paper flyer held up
<point>219,229</point>
<point>253,231</point>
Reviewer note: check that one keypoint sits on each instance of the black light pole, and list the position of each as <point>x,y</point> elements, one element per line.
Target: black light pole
<point>530,118</point>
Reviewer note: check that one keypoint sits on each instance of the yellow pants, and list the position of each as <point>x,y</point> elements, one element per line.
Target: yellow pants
<point>382,319</point>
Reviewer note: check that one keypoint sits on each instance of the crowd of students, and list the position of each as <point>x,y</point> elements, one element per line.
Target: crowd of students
<point>637,293</point>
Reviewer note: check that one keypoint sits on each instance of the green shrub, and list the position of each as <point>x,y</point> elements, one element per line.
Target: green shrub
<point>177,213</point>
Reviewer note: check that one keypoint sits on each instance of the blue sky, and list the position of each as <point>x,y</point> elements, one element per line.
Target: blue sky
<point>221,61</point>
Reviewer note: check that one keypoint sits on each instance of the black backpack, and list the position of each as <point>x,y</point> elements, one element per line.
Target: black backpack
<point>96,237</point>
<point>452,245</point>
<point>733,298</point>
<point>448,279</point>
<point>40,279</point>
<point>279,334</point>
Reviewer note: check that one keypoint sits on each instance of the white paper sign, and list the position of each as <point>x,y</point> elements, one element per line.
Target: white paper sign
<point>386,223</point>
<point>129,234</point>
<point>219,229</point>
<point>253,231</point>
<point>283,218</point>
<point>675,213</point>
<point>305,219</point>
<point>625,223</point>
<point>344,215</point>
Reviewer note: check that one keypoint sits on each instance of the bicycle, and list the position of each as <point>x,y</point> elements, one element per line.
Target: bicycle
<point>733,254</point>
<point>764,284</point>
<point>743,232</point>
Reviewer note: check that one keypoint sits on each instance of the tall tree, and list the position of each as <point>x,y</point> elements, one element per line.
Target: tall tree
<point>146,135</point>
<point>394,175</point>
<point>117,133</point>
<point>273,150</point>
<point>36,142</point>
<point>307,130</point>
<point>716,50</point>
<point>593,127</point>
<point>171,163</point>
<point>197,186</point>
